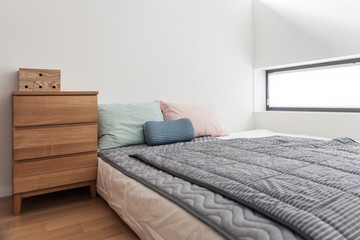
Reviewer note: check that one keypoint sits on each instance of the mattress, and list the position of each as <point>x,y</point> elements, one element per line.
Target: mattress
<point>149,215</point>
<point>153,216</point>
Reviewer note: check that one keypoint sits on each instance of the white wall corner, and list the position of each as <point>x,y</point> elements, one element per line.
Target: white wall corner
<point>5,191</point>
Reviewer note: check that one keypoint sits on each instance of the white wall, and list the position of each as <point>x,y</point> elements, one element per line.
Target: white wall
<point>194,51</point>
<point>330,125</point>
<point>304,31</point>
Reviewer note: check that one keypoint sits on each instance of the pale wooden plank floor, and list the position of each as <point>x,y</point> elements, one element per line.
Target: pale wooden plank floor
<point>65,215</point>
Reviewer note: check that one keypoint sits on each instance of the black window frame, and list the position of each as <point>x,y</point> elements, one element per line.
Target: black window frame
<point>308,66</point>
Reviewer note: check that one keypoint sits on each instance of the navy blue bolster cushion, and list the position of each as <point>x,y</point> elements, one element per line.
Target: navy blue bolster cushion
<point>166,132</point>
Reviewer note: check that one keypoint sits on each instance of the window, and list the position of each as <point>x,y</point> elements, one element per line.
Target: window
<point>330,87</point>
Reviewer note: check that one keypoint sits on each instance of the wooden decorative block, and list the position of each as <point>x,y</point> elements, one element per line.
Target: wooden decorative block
<point>39,80</point>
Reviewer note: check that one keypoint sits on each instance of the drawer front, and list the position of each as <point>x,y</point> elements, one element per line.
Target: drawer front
<point>41,174</point>
<point>44,110</point>
<point>47,141</point>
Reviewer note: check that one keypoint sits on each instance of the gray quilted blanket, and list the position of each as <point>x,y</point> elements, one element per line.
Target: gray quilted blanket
<point>231,219</point>
<point>311,186</point>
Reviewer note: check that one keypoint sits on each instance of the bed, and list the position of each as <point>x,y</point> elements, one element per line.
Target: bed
<point>169,207</point>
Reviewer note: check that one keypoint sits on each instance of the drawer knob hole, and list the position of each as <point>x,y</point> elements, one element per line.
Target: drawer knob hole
<point>40,86</point>
<point>40,74</point>
<point>54,86</point>
<point>26,86</point>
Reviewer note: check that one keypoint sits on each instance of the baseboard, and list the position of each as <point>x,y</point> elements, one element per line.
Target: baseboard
<point>5,191</point>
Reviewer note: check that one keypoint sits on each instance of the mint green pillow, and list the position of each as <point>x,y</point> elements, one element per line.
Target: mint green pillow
<point>123,124</point>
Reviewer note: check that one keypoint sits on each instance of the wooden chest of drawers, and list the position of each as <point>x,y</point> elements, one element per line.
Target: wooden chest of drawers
<point>54,142</point>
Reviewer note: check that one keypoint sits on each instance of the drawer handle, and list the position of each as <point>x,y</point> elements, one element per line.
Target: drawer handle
<point>40,74</point>
<point>40,86</point>
<point>26,86</point>
<point>54,86</point>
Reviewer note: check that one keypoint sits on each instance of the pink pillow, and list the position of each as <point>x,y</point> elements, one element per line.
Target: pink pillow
<point>205,119</point>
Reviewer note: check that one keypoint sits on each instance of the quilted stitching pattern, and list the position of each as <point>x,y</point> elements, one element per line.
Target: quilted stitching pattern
<point>311,186</point>
<point>236,220</point>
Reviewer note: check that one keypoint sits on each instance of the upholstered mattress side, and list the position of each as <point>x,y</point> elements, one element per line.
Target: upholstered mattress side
<point>150,215</point>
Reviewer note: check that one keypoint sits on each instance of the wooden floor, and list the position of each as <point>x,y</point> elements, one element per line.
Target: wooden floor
<point>65,215</point>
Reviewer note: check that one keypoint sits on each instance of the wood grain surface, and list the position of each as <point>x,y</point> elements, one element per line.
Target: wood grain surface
<point>44,110</point>
<point>39,80</point>
<point>54,140</point>
<point>46,173</point>
<point>63,215</point>
<point>54,143</point>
